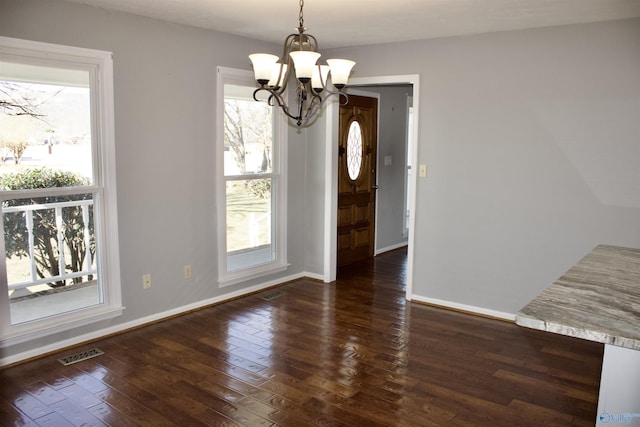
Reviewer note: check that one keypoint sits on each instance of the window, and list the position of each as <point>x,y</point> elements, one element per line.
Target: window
<point>57,189</point>
<point>251,190</point>
<point>354,150</point>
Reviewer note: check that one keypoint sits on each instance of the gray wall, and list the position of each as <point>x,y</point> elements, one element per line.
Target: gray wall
<point>392,141</point>
<point>532,140</point>
<point>165,91</point>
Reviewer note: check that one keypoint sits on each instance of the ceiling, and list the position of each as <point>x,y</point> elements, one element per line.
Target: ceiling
<point>340,23</point>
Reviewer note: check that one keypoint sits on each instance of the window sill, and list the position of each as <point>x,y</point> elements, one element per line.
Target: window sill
<point>243,276</point>
<point>33,330</point>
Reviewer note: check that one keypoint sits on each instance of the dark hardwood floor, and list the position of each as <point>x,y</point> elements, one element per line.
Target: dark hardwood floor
<point>351,353</point>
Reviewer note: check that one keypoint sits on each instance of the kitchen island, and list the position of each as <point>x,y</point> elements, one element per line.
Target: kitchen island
<point>598,299</point>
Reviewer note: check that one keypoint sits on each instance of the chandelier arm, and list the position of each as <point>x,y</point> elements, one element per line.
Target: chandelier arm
<point>304,114</point>
<point>288,46</point>
<point>317,101</point>
<point>323,82</point>
<point>255,92</point>
<point>278,100</point>
<point>329,93</point>
<point>285,59</point>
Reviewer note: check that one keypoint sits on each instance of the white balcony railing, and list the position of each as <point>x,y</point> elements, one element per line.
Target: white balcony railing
<point>29,212</point>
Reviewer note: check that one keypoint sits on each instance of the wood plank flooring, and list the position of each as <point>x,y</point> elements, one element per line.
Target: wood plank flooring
<point>351,353</point>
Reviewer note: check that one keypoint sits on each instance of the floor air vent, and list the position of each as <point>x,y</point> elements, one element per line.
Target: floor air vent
<point>79,357</point>
<point>272,295</point>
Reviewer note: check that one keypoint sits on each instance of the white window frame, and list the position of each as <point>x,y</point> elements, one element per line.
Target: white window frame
<point>99,64</point>
<point>226,277</point>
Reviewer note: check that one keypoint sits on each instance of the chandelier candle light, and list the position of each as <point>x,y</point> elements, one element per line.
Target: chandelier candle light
<point>301,55</point>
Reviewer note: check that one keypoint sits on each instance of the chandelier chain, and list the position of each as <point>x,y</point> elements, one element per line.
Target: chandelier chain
<point>301,15</point>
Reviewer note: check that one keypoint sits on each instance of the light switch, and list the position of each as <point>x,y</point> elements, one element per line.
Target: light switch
<point>387,160</point>
<point>423,171</point>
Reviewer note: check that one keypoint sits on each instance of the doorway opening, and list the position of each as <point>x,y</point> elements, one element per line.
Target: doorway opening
<point>409,179</point>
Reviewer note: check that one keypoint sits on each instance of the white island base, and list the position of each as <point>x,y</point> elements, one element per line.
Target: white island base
<point>619,399</point>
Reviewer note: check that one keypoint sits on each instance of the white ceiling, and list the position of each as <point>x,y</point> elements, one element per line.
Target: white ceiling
<point>339,23</point>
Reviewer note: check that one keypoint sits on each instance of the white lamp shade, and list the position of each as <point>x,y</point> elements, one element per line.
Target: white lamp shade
<point>340,70</point>
<point>263,65</point>
<point>304,62</point>
<point>319,71</point>
<point>277,77</point>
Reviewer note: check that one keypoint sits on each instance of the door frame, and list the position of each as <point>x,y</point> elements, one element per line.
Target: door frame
<point>331,174</point>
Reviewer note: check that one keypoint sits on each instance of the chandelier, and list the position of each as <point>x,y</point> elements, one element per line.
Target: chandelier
<point>300,54</point>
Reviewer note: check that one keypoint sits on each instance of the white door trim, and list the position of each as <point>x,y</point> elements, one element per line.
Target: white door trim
<point>331,195</point>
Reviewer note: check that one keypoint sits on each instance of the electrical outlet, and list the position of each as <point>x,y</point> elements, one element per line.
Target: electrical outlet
<point>146,281</point>
<point>187,272</point>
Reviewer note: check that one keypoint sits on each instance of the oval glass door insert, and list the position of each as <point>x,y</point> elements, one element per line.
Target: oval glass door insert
<point>354,150</point>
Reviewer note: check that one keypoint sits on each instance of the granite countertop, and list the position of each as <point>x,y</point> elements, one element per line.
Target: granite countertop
<point>598,299</point>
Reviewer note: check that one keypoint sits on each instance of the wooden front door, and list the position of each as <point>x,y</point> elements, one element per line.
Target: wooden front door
<point>358,139</point>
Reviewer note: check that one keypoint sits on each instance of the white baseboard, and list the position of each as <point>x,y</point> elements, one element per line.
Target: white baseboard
<point>315,276</point>
<point>466,308</point>
<point>122,327</point>
<point>391,248</point>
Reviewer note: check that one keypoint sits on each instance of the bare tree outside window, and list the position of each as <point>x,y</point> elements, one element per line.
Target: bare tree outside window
<point>15,101</point>
<point>248,134</point>
<point>248,139</point>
